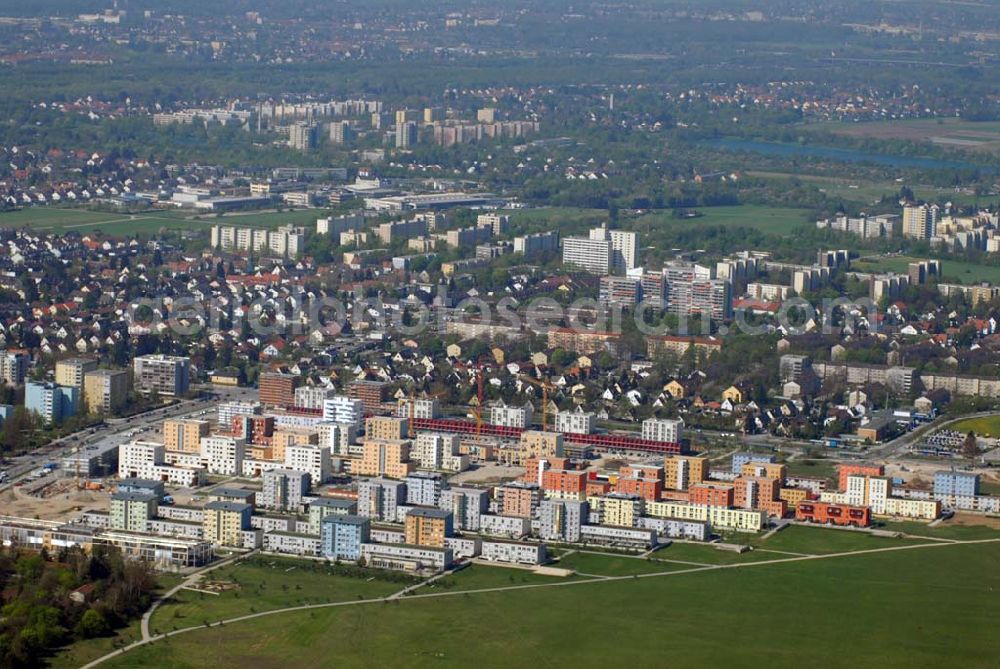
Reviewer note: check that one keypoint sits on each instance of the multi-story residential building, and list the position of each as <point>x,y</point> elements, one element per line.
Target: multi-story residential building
<point>14,366</point>
<point>381,457</point>
<point>678,346</point>
<point>342,409</point>
<point>277,389</point>
<point>184,434</point>
<point>313,397</point>
<point>719,517</point>
<point>575,422</point>
<point>223,455</point>
<point>537,244</point>
<point>505,416</point>
<point>310,458</point>
<point>622,510</point>
<point>324,507</point>
<point>618,536</point>
<point>955,483</point>
<point>920,221</point>
<point>341,132</point>
<point>740,459</point>
<point>406,135</point>
<point>105,391</point>
<point>466,237</point>
<point>162,374</point>
<point>518,499</point>
<point>132,510</point>
<point>371,394</point>
<point>467,506</point>
<point>224,523</point>
<point>379,498</point>
<point>146,460</point>
<point>70,371</point>
<point>284,489</point>
<point>428,527</point>
<point>563,484</point>
<point>513,553</point>
<point>589,254</point>
<point>389,428</point>
<point>394,231</point>
<point>620,291</point>
<point>561,520</point>
<point>404,557</point>
<point>302,136</point>
<point>50,402</point>
<point>438,452</point>
<point>849,469</point>
<point>583,341</point>
<point>533,444</point>
<point>712,494</point>
<point>422,409</point>
<point>424,488</point>
<point>666,430</point>
<point>693,289</point>
<point>682,471</point>
<point>870,491</point>
<point>341,537</point>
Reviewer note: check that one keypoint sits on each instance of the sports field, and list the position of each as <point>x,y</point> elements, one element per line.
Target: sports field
<point>841,606</point>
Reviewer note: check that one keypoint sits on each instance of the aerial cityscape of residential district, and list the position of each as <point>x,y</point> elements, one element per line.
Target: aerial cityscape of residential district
<point>663,333</point>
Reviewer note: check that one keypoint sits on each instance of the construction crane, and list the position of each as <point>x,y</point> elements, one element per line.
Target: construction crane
<point>546,387</point>
<point>410,402</point>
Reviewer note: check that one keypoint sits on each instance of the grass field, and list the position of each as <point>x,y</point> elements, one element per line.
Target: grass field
<point>954,271</point>
<point>925,607</point>
<point>611,565</point>
<point>822,541</point>
<point>265,584</point>
<point>951,132</point>
<point>773,220</point>
<point>867,192</point>
<point>985,426</point>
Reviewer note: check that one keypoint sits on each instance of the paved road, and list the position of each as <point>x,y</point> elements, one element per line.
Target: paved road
<point>117,429</point>
<point>741,565</point>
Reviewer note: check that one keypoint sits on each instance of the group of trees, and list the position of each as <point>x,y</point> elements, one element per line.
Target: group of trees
<point>39,615</point>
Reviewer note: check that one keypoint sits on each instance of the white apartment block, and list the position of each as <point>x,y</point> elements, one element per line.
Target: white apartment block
<point>512,527</point>
<point>505,416</point>
<point>343,409</point>
<point>337,437</point>
<point>871,491</point>
<point>496,551</point>
<point>426,409</point>
<point>591,255</point>
<point>146,460</point>
<point>667,430</point>
<point>312,459</point>
<point>575,422</point>
<point>430,449</point>
<point>226,411</point>
<point>223,455</point>
<point>311,397</point>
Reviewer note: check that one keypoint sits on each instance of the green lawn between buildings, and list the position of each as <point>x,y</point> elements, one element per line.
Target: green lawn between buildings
<point>925,607</point>
<point>267,583</point>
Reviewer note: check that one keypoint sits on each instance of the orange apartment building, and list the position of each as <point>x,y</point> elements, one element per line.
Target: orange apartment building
<point>794,496</point>
<point>583,341</point>
<point>535,467</point>
<point>598,487</point>
<point>387,428</point>
<point>682,471</point>
<point>712,494</point>
<point>389,458</point>
<point>565,484</point>
<point>834,514</point>
<point>771,470</point>
<point>758,492</point>
<point>647,488</point>
<point>843,471</point>
<point>184,435</point>
<point>254,429</point>
<point>427,527</point>
<point>519,499</point>
<point>277,389</point>
<point>371,393</point>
